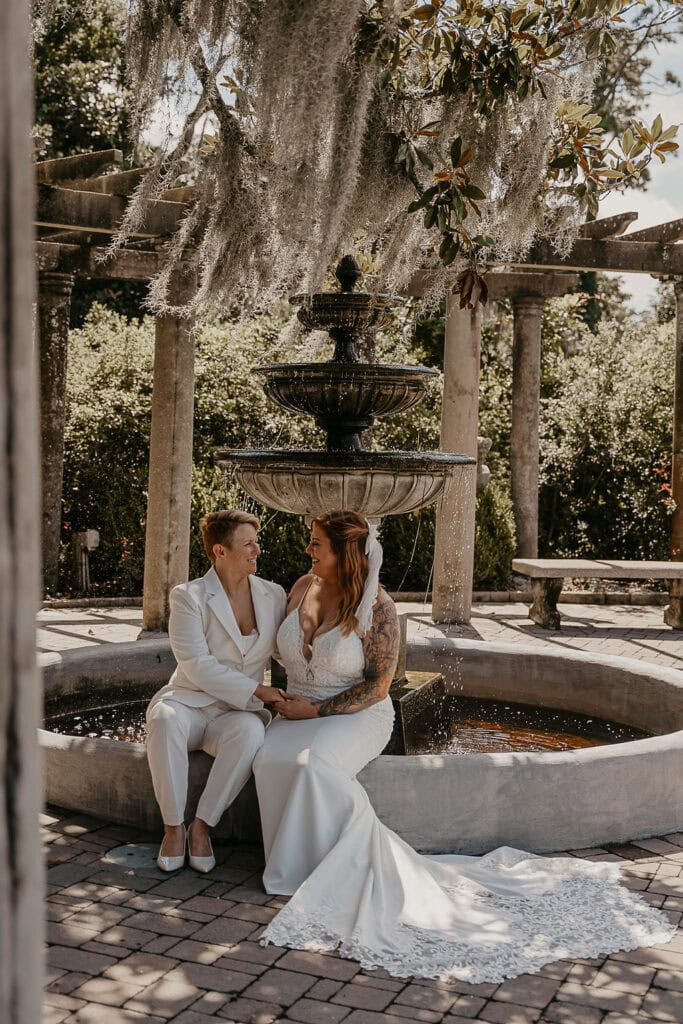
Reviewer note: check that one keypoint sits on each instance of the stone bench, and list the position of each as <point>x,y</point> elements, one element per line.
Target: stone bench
<point>548,574</point>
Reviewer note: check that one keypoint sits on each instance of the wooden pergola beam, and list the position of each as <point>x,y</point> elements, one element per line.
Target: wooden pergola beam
<point>126,264</point>
<point>80,166</point>
<point>671,231</point>
<point>120,184</point>
<point>184,194</point>
<point>542,285</point>
<point>68,210</point>
<point>608,254</point>
<point>608,227</point>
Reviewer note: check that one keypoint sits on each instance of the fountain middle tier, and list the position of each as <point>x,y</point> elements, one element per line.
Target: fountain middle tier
<point>375,484</point>
<point>345,398</point>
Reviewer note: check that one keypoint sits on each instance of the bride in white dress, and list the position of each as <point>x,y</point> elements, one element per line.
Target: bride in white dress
<point>355,886</point>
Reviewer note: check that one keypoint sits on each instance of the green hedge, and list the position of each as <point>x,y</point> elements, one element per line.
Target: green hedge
<point>107,445</point>
<point>605,444</point>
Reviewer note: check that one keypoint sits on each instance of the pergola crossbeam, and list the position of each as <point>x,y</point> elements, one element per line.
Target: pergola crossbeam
<point>666,233</point>
<point>83,165</point>
<point>126,264</point>
<point>609,255</point>
<point>184,194</point>
<point>542,285</point>
<point>69,210</point>
<point>122,183</point>
<point>608,227</point>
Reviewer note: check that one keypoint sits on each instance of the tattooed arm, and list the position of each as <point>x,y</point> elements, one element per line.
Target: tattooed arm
<point>381,656</point>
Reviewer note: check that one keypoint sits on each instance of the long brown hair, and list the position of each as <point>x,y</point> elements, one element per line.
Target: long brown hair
<point>347,533</point>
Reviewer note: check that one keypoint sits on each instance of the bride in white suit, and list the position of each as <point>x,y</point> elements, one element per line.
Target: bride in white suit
<point>222,631</point>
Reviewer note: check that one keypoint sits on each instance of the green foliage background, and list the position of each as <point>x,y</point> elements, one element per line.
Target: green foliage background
<point>107,443</point>
<point>605,442</point>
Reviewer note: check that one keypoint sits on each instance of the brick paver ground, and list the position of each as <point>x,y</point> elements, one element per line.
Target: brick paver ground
<point>134,945</point>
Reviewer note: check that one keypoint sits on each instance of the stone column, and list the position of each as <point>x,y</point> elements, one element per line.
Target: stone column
<point>454,548</point>
<point>54,307</point>
<point>526,395</point>
<point>167,536</point>
<point>21,868</point>
<point>677,444</point>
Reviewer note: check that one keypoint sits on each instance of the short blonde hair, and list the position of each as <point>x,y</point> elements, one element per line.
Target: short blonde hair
<point>218,527</point>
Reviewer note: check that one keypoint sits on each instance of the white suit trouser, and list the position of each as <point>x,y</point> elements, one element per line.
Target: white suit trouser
<point>232,738</point>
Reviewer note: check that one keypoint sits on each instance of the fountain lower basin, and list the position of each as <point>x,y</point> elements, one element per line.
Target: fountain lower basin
<point>438,803</point>
<point>373,483</point>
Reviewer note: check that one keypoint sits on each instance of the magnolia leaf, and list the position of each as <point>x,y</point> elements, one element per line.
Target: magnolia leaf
<point>458,206</point>
<point>424,158</point>
<point>445,243</point>
<point>456,150</point>
<point>430,217</point>
<point>560,163</point>
<point>473,192</point>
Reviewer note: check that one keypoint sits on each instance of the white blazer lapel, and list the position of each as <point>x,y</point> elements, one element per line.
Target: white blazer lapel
<point>262,599</point>
<point>221,607</point>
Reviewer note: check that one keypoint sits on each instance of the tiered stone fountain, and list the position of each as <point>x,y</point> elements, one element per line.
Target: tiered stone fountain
<point>345,396</point>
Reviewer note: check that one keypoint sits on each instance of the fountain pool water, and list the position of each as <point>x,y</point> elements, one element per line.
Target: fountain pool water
<point>457,725</point>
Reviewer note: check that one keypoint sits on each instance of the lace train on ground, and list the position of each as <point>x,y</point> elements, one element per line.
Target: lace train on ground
<point>585,917</point>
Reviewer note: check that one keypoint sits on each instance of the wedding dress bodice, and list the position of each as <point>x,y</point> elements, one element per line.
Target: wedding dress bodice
<point>336,661</point>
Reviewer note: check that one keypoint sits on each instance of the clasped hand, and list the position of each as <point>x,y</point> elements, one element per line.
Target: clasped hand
<point>288,705</point>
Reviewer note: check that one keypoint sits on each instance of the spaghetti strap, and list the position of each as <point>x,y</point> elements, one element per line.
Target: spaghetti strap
<point>301,599</point>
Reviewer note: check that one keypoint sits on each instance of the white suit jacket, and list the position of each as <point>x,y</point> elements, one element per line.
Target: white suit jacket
<point>205,637</point>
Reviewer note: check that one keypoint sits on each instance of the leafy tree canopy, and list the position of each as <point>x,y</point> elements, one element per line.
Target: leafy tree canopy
<point>80,91</point>
<point>433,133</point>
<point>439,131</point>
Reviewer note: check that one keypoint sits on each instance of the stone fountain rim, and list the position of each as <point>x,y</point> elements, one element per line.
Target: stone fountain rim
<point>342,461</point>
<point>333,368</point>
<point>156,651</point>
<point>541,802</point>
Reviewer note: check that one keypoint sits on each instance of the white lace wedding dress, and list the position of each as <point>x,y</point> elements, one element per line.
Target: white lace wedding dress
<point>359,889</point>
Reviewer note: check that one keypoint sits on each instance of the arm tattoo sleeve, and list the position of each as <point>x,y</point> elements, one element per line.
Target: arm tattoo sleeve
<point>381,656</point>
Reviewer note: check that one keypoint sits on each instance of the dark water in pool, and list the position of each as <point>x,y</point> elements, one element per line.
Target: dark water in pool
<point>463,725</point>
<point>469,725</point>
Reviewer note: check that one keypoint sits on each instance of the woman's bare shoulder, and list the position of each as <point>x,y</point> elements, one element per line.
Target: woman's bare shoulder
<point>299,588</point>
<point>384,601</point>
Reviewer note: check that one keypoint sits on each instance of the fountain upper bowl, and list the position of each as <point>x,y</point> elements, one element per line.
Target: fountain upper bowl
<point>348,311</point>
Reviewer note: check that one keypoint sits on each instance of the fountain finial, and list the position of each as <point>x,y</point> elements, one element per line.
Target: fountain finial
<point>348,272</point>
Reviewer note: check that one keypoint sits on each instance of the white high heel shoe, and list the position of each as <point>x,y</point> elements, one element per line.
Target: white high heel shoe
<point>201,864</point>
<point>172,863</point>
